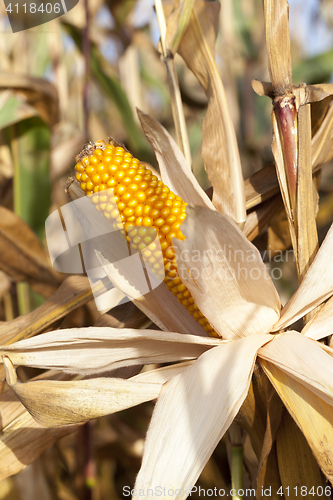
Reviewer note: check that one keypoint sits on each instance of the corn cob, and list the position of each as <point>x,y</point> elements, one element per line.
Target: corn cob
<point>140,204</point>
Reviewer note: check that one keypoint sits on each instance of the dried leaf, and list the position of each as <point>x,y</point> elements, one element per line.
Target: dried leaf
<point>296,463</point>
<point>278,45</point>
<point>193,412</point>
<point>258,219</point>
<point>321,324</point>
<point>219,143</point>
<point>173,167</point>
<point>74,292</point>
<point>316,286</point>
<point>177,24</point>
<point>303,360</point>
<point>220,266</point>
<point>22,256</point>
<point>305,221</point>
<point>39,93</point>
<point>261,186</point>
<point>56,403</point>
<point>312,414</point>
<point>22,439</point>
<point>97,350</point>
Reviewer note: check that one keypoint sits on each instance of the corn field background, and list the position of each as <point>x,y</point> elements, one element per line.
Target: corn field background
<point>80,78</point>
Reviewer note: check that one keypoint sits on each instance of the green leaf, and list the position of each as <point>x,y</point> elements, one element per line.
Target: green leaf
<point>315,69</point>
<point>30,145</point>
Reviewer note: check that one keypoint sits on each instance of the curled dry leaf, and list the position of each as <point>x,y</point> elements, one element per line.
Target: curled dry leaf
<point>57,403</point>
<point>38,92</point>
<point>22,256</point>
<point>22,439</point>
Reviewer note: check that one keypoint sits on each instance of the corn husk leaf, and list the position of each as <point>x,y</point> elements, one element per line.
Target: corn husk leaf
<point>296,463</point>
<point>321,325</point>
<point>303,360</point>
<point>193,412</point>
<point>72,293</point>
<point>220,266</point>
<point>278,45</point>
<point>316,286</point>
<point>56,403</point>
<point>22,256</point>
<point>97,350</point>
<point>311,413</point>
<point>173,167</point>
<point>219,143</point>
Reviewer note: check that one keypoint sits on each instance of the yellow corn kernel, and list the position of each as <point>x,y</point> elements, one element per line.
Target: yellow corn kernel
<point>142,200</point>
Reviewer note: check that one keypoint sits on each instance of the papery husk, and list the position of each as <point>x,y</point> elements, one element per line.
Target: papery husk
<point>22,256</point>
<point>321,324</point>
<point>96,350</point>
<point>57,403</point>
<point>193,412</point>
<point>219,143</point>
<point>316,286</point>
<point>228,271</point>
<point>297,465</point>
<point>311,413</point>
